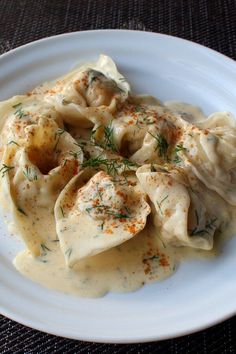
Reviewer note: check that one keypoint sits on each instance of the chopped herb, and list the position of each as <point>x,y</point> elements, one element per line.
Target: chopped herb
<point>17,105</point>
<point>107,210</point>
<point>210,225</point>
<point>60,131</point>
<point>57,136</point>
<point>30,174</point>
<point>118,215</point>
<point>193,190</point>
<point>75,154</point>
<point>150,258</point>
<point>109,138</point>
<point>21,211</point>
<point>102,225</point>
<point>81,144</point>
<point>127,210</point>
<point>177,159</point>
<point>5,169</point>
<point>45,248</point>
<point>96,207</point>
<point>111,166</point>
<point>148,121</point>
<point>89,209</point>
<point>107,142</point>
<point>98,192</point>
<point>19,112</point>
<point>197,218</point>
<point>56,240</point>
<point>128,164</point>
<point>163,244</point>
<point>162,145</point>
<point>62,212</point>
<point>139,109</point>
<point>178,148</point>
<point>64,162</point>
<point>68,252</point>
<point>13,142</point>
<point>160,203</point>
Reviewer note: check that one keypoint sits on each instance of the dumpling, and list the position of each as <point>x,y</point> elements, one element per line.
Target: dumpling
<point>20,112</point>
<point>211,154</point>
<point>95,213</point>
<point>182,206</point>
<point>218,119</point>
<point>89,94</point>
<point>157,142</point>
<point>132,122</point>
<point>34,173</point>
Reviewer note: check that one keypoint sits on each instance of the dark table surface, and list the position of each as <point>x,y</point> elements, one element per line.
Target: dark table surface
<point>208,22</point>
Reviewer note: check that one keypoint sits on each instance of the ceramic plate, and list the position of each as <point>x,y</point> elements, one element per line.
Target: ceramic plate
<point>201,292</point>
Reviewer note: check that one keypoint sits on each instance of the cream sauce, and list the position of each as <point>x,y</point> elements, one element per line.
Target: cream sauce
<point>126,267</point>
<point>142,260</point>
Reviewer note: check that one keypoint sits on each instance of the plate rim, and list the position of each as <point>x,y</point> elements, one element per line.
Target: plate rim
<point>189,42</point>
<point>16,317</point>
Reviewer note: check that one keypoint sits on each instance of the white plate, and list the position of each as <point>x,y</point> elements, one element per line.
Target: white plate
<point>200,293</point>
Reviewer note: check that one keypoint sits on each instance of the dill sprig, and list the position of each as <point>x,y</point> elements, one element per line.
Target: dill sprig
<point>159,204</point>
<point>21,211</point>
<point>58,135</point>
<point>162,145</point>
<point>139,109</point>
<point>81,144</point>
<point>13,142</point>
<point>210,226</point>
<point>111,166</point>
<point>107,210</point>
<point>5,168</point>
<point>68,252</point>
<point>45,248</point>
<point>30,174</point>
<point>178,148</point>
<point>98,191</point>
<point>62,212</point>
<point>152,258</point>
<point>19,112</point>
<point>107,142</point>
<point>118,215</point>
<point>75,154</point>
<point>17,105</point>
<point>109,138</point>
<point>129,164</point>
